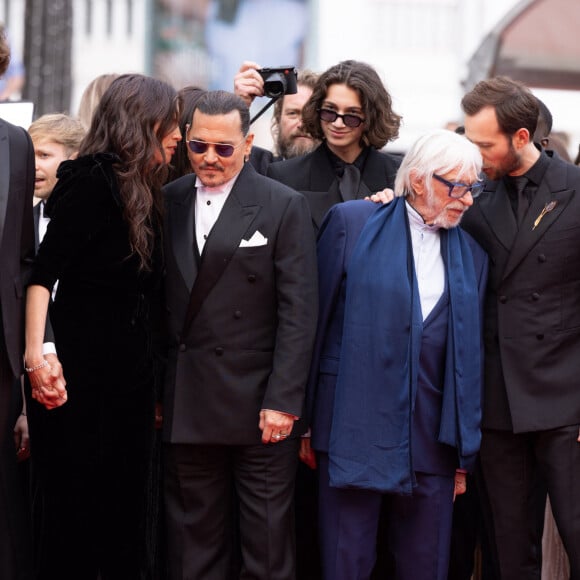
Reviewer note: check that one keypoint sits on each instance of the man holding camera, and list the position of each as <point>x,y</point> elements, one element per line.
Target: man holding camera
<point>290,139</point>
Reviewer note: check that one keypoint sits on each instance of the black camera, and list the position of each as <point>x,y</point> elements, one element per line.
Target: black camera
<point>279,81</point>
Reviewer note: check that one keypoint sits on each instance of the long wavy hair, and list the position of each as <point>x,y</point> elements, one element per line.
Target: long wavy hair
<point>134,115</point>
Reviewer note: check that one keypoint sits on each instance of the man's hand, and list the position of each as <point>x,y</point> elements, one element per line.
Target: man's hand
<point>385,196</point>
<point>248,84</point>
<point>460,484</point>
<point>306,453</point>
<point>21,438</point>
<point>275,426</point>
<point>48,383</point>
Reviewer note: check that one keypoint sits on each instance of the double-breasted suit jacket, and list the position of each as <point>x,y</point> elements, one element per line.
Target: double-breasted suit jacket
<point>532,314</point>
<point>242,321</point>
<point>314,176</point>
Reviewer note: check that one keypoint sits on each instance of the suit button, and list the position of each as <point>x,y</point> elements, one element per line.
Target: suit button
<point>219,351</point>
<point>503,299</point>
<point>540,336</point>
<point>251,278</point>
<point>542,258</point>
<point>535,296</point>
<point>238,314</point>
<point>182,347</point>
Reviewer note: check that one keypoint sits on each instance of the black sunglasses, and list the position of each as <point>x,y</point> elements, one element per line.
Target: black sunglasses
<point>349,120</point>
<point>457,189</point>
<point>222,149</point>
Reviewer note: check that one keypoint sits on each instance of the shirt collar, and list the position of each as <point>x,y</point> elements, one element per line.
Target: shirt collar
<point>223,188</point>
<point>417,223</point>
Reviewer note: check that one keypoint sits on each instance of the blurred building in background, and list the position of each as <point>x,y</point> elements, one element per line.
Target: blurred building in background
<point>427,51</point>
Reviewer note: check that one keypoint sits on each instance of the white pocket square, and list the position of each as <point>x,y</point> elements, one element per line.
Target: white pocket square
<point>257,239</point>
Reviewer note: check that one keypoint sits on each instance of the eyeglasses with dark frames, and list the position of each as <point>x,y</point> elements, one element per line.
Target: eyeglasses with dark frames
<point>457,189</point>
<point>349,120</point>
<point>222,149</point>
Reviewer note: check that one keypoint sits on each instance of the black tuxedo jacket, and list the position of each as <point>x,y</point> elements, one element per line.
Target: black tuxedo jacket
<point>16,234</point>
<point>242,322</point>
<point>314,176</point>
<point>532,315</point>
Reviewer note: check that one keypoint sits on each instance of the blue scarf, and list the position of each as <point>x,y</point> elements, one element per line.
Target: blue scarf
<point>370,441</point>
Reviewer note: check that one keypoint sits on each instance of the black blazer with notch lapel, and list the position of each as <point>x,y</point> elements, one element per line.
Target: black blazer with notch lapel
<point>241,323</point>
<point>314,176</point>
<point>532,314</point>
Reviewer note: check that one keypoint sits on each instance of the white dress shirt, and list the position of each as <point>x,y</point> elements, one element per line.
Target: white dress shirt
<point>429,266</point>
<point>209,202</point>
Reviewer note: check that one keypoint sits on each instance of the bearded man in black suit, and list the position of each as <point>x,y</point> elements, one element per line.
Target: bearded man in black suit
<point>528,221</point>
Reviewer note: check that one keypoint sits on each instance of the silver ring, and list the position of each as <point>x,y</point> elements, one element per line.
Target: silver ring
<point>276,437</point>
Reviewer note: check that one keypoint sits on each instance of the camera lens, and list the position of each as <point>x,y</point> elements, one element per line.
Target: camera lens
<point>274,88</point>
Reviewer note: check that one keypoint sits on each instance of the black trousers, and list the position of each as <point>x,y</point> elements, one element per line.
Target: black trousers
<point>15,536</point>
<point>198,494</point>
<point>511,464</point>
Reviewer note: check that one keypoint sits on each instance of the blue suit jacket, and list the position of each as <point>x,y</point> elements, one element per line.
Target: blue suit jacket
<point>335,248</point>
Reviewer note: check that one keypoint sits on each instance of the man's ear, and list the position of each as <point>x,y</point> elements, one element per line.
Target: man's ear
<point>417,183</point>
<point>520,138</point>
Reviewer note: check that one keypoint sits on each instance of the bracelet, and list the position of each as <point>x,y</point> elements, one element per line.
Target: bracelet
<point>43,364</point>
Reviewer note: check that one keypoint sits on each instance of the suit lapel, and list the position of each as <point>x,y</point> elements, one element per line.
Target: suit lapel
<point>181,211</point>
<point>495,206</point>
<point>552,189</point>
<point>237,215</point>
<point>4,174</point>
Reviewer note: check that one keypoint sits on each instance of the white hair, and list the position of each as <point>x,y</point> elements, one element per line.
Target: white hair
<point>439,151</point>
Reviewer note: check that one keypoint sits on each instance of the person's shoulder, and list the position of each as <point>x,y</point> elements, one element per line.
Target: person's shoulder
<point>86,181</point>
<point>179,185</point>
<point>386,158</point>
<point>291,167</point>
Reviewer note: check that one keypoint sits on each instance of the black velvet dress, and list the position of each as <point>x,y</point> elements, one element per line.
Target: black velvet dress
<point>92,456</point>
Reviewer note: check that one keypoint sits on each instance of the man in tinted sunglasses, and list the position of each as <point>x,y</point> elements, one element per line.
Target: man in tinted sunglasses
<point>242,304</point>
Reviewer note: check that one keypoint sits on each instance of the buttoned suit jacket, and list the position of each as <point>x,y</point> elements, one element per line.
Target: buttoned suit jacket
<point>242,323</point>
<point>532,312</point>
<point>314,176</point>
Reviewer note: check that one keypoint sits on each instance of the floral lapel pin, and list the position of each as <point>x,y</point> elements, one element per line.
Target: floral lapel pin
<point>547,209</point>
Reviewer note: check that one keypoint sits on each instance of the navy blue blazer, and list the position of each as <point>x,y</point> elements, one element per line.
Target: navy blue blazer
<point>334,253</point>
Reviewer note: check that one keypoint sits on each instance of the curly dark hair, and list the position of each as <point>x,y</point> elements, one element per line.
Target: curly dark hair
<point>4,51</point>
<point>381,122</point>
<point>133,116</point>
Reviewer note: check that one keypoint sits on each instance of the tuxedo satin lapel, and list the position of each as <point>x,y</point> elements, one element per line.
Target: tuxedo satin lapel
<point>181,218</point>
<point>497,211</point>
<point>221,244</point>
<point>4,174</point>
<point>528,236</point>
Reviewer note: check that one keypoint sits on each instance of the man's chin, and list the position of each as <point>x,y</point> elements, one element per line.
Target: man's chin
<point>299,146</point>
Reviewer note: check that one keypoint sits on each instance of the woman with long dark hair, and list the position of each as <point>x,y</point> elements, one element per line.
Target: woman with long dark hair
<point>92,441</point>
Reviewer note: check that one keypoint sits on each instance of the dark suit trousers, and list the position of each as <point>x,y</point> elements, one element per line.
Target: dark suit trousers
<point>510,463</point>
<point>198,481</point>
<point>15,536</point>
<point>419,528</point>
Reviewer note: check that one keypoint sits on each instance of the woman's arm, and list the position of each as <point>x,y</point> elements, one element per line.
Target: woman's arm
<point>48,384</point>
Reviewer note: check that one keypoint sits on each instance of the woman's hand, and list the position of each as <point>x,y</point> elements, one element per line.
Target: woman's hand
<point>47,382</point>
